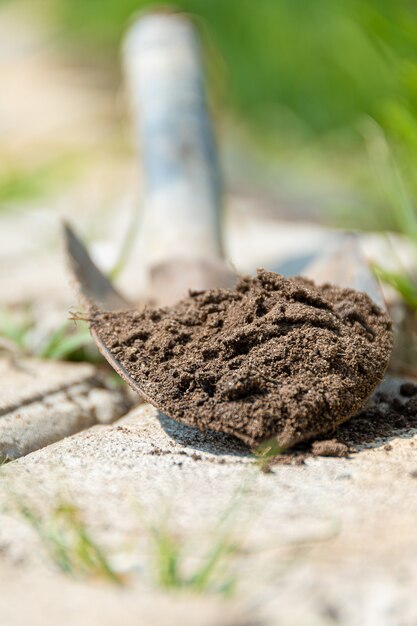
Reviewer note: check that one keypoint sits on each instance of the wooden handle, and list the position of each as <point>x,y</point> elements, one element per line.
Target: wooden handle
<point>181,213</point>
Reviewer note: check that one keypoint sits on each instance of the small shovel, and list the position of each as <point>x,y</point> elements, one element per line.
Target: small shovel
<point>181,230</point>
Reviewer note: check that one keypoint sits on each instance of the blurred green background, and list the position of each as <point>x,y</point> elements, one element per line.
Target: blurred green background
<point>325,62</point>
<point>325,86</point>
<point>321,93</point>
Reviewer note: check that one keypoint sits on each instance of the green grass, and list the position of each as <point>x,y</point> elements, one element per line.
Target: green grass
<point>296,79</point>
<point>211,574</point>
<point>69,543</point>
<point>65,343</point>
<point>203,562</point>
<point>399,186</point>
<point>324,61</point>
<point>14,332</point>
<point>267,452</point>
<point>404,285</point>
<point>18,334</point>
<point>20,184</point>
<point>72,548</point>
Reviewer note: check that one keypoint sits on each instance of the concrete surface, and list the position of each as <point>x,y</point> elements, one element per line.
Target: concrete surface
<point>329,542</point>
<point>59,600</point>
<point>44,401</point>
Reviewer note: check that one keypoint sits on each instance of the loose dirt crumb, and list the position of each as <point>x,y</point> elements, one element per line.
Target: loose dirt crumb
<point>272,357</point>
<point>408,390</point>
<point>329,447</point>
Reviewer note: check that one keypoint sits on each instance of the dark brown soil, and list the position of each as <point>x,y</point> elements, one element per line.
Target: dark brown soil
<point>272,357</point>
<point>408,390</point>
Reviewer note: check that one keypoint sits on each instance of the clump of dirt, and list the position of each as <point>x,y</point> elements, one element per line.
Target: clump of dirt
<point>271,357</point>
<point>329,447</point>
<point>408,390</point>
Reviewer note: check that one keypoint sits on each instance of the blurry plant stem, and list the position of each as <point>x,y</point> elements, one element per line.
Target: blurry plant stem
<point>402,280</point>
<point>212,574</point>
<point>16,337</point>
<point>391,179</point>
<point>127,245</point>
<point>68,541</point>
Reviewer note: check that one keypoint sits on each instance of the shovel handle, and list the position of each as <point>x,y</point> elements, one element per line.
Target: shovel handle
<point>181,212</point>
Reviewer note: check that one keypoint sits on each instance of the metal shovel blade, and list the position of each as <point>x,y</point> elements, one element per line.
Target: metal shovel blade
<point>92,286</point>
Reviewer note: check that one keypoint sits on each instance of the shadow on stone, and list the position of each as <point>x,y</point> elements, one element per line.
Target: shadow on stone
<point>210,442</point>
<point>388,415</point>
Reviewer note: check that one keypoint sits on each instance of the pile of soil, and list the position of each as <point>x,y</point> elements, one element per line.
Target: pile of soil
<point>271,357</point>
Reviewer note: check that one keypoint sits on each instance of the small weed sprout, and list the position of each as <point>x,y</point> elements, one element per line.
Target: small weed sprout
<point>211,575</point>
<point>181,564</point>
<point>391,174</point>
<point>72,549</point>
<point>19,336</point>
<point>266,452</point>
<point>69,543</point>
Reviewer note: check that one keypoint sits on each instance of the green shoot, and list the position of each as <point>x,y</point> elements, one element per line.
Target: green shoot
<point>211,575</point>
<point>127,246</point>
<point>394,184</point>
<point>403,285</point>
<point>71,547</point>
<point>64,343</point>
<point>172,556</point>
<point>267,452</point>
<point>69,543</point>
<point>14,331</point>
<point>392,180</point>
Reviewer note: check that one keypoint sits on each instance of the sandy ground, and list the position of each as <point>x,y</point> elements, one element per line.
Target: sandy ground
<point>329,542</point>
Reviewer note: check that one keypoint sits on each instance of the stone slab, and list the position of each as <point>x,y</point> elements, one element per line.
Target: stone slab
<point>329,542</point>
<point>53,600</point>
<point>44,401</point>
<point>23,381</point>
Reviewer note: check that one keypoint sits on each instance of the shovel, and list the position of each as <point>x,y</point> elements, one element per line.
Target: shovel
<point>181,229</point>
